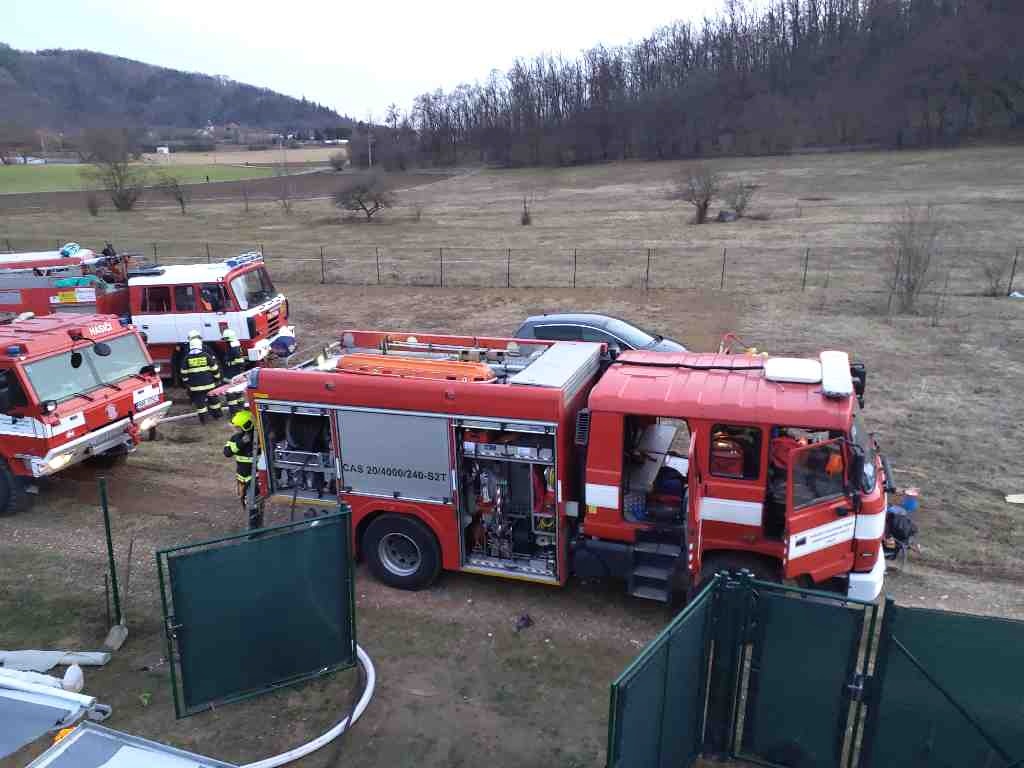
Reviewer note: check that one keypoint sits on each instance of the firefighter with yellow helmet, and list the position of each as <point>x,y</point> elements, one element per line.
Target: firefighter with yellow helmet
<point>241,447</point>
<point>200,374</point>
<point>234,364</point>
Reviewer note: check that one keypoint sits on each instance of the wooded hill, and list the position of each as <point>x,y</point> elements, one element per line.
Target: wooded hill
<point>68,90</point>
<point>792,74</point>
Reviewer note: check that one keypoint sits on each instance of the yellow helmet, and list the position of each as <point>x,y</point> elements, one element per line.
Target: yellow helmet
<point>242,420</point>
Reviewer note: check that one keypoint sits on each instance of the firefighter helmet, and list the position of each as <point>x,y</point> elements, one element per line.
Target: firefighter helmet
<point>229,336</point>
<point>242,420</point>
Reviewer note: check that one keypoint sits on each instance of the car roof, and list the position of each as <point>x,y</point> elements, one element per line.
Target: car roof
<point>588,318</point>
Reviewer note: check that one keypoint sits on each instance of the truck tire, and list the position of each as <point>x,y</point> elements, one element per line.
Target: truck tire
<point>763,568</point>
<point>13,496</point>
<point>402,552</point>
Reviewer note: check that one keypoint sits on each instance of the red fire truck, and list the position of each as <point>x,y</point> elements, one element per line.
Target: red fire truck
<point>165,302</point>
<point>535,460</point>
<point>72,387</point>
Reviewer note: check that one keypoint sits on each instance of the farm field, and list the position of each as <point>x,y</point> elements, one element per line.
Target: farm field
<point>457,684</point>
<point>241,156</point>
<point>64,177</point>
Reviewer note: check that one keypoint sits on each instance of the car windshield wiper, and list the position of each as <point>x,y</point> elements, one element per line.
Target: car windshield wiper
<point>81,394</point>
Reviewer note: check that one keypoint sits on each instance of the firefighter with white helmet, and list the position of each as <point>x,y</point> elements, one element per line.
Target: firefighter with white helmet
<point>240,446</point>
<point>234,364</point>
<point>200,374</point>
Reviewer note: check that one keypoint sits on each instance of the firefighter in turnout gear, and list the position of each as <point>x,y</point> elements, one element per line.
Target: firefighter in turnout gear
<point>241,447</point>
<point>234,364</point>
<point>200,374</point>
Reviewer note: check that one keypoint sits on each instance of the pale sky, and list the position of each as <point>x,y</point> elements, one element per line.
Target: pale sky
<point>355,57</point>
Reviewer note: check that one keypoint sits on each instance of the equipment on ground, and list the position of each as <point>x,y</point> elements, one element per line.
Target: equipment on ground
<point>72,388</point>
<point>534,460</point>
<point>164,302</point>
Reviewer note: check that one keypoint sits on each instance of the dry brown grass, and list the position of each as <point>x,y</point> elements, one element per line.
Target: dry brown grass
<point>839,206</point>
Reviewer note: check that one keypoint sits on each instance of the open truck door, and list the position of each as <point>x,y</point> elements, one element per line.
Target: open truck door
<point>694,524</point>
<point>820,518</point>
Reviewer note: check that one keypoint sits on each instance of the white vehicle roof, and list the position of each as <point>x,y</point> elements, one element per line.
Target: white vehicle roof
<point>178,274</point>
<point>12,258</point>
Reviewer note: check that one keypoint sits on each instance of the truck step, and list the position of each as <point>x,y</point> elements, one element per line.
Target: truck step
<point>652,572</point>
<point>658,548</point>
<point>650,593</point>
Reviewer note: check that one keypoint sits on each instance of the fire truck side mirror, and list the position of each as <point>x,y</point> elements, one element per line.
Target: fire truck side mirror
<point>76,359</point>
<point>5,392</point>
<point>101,348</point>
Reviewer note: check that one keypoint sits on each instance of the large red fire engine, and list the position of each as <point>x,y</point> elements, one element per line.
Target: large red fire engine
<point>72,387</point>
<point>165,302</point>
<point>534,460</point>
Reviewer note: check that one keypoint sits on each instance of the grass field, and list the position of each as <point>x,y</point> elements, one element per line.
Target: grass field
<point>57,178</point>
<point>241,156</point>
<point>459,686</point>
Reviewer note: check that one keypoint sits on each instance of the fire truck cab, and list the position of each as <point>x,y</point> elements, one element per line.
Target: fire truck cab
<point>734,461</point>
<point>534,460</point>
<point>72,388</point>
<point>164,302</point>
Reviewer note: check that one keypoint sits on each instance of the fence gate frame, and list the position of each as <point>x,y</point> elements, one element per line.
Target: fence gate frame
<point>341,522</point>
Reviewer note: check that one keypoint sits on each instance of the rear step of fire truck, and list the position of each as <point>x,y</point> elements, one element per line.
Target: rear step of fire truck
<point>656,556</point>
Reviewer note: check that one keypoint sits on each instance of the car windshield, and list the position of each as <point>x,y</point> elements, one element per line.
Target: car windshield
<point>862,438</point>
<point>630,334</point>
<point>53,378</point>
<point>252,288</point>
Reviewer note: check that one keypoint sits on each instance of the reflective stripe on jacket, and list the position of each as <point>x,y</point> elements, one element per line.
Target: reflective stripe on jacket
<point>240,447</point>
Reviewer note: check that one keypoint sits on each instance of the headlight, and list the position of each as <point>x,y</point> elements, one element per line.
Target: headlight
<point>149,423</point>
<point>58,462</point>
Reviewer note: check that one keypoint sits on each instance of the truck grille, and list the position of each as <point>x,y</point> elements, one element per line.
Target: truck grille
<point>273,323</point>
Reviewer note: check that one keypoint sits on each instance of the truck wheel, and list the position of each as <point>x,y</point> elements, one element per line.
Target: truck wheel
<point>13,496</point>
<point>763,568</point>
<point>402,552</point>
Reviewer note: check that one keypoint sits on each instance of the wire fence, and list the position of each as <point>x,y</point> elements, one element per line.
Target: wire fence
<point>959,272</point>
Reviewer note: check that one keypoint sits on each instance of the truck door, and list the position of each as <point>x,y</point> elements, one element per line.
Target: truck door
<point>694,483</point>
<point>819,516</point>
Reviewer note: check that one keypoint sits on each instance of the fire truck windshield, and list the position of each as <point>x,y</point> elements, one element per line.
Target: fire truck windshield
<point>53,378</point>
<point>252,288</point>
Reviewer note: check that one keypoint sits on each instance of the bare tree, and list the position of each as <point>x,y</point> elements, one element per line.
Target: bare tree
<point>367,194</point>
<point>915,238</point>
<point>15,140</point>
<point>338,160</point>
<point>738,196</point>
<point>995,271</point>
<point>113,154</point>
<point>698,186</point>
<point>171,186</point>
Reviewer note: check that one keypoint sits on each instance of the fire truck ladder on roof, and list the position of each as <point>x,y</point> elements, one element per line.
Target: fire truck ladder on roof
<point>657,558</point>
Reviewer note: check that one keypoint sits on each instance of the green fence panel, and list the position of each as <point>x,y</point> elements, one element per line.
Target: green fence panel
<point>657,705</point>
<point>253,612</point>
<point>803,657</point>
<point>952,693</point>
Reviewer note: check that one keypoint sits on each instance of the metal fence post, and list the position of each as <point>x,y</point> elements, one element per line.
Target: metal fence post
<point>323,267</point>
<point>1009,287</point>
<point>573,267</point>
<point>105,508</point>
<point>207,253</point>
<point>508,268</point>
<point>807,259</point>
<point>721,284</point>
<point>376,251</point>
<point>647,273</point>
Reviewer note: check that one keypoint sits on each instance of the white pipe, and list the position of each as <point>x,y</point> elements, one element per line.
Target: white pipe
<point>337,730</point>
<point>20,685</point>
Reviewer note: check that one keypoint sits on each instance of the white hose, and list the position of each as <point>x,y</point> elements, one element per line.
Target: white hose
<point>337,730</point>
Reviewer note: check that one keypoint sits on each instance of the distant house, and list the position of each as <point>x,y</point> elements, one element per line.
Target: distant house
<point>163,150</point>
